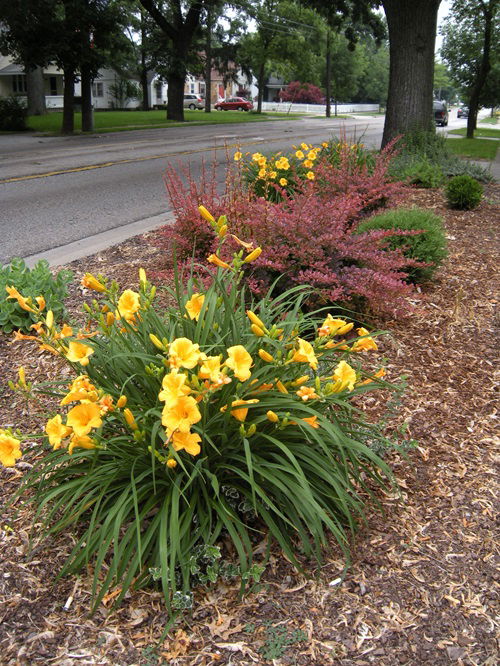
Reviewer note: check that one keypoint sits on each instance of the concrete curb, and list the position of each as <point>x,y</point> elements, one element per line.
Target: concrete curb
<point>64,254</point>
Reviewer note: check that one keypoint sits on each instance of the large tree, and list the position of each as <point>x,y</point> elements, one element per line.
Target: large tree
<point>412,36</point>
<point>471,46</point>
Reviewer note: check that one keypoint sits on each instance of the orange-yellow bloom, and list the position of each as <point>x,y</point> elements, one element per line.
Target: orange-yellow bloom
<point>90,282</point>
<point>181,414</point>
<point>310,175</point>
<point>128,304</point>
<point>344,376</point>
<point>333,326</point>
<point>283,182</point>
<point>214,259</point>
<point>57,431</point>
<point>240,362</point>
<point>173,387</point>
<point>237,156</point>
<point>307,393</point>
<point>187,441</point>
<point>312,421</point>
<point>41,303</point>
<point>183,353</point>
<point>10,449</point>
<point>241,413</point>
<point>299,154</point>
<point>79,353</point>
<point>84,417</point>
<point>25,303</point>
<point>121,402</point>
<point>305,354</point>
<point>366,343</point>
<point>82,442</point>
<point>210,368</point>
<point>194,305</point>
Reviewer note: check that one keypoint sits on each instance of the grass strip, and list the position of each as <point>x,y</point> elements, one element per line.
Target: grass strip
<point>476,149</point>
<point>479,132</point>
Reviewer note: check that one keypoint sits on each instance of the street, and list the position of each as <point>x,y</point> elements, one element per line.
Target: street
<point>58,190</point>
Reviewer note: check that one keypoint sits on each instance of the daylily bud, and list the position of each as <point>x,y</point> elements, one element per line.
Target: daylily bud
<point>91,282</point>
<point>253,255</point>
<point>206,215</point>
<point>110,319</point>
<point>265,356</point>
<point>49,320</point>
<point>256,330</point>
<point>129,418</point>
<point>222,231</point>
<point>255,320</point>
<point>156,341</point>
<point>122,401</point>
<point>214,259</point>
<point>142,277</point>
<point>272,416</point>
<point>281,387</point>
<point>252,429</point>
<point>22,376</point>
<point>171,462</point>
<point>301,380</point>
<point>104,309</point>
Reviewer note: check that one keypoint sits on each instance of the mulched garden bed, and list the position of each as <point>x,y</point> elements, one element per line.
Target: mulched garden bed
<point>423,584</point>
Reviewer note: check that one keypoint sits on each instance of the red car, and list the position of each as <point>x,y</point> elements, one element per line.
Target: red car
<point>234,104</point>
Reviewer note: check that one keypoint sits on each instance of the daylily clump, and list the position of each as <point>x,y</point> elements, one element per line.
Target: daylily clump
<point>171,415</point>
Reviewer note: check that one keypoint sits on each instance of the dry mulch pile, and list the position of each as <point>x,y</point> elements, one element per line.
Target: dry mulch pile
<point>423,585</point>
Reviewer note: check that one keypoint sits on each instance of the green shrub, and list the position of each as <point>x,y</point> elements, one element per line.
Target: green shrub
<point>463,192</point>
<point>423,174</point>
<point>16,314</point>
<point>235,427</point>
<point>428,247</point>
<point>13,114</point>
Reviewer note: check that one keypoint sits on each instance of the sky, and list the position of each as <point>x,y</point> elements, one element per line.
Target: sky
<point>443,11</point>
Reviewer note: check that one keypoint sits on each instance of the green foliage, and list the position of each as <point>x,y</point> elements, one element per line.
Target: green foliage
<point>146,506</point>
<point>463,192</point>
<point>278,639</point>
<point>12,114</point>
<point>423,173</point>
<point>428,247</point>
<point>30,283</point>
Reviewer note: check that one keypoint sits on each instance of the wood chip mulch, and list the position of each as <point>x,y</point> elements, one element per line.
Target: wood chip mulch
<point>423,586</point>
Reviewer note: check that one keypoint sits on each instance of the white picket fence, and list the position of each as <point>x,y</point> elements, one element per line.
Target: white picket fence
<point>318,109</point>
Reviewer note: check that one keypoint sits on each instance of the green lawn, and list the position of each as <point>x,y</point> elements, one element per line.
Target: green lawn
<point>490,120</point>
<point>480,131</point>
<point>115,121</point>
<point>476,149</point>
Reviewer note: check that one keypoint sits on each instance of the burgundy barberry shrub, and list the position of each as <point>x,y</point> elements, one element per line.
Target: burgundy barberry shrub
<point>304,93</point>
<point>307,237</point>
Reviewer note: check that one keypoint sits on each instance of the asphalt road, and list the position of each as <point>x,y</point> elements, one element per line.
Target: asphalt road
<point>60,190</point>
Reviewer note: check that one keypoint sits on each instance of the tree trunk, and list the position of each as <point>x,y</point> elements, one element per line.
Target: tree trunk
<point>68,122</point>
<point>87,111</point>
<point>175,99</point>
<point>36,91</point>
<point>412,36</point>
<point>208,66</point>
<point>260,86</point>
<point>144,69</point>
<point>484,68</point>
<point>328,75</point>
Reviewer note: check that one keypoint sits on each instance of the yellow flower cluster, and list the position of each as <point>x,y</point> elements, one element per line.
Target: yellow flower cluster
<point>10,448</point>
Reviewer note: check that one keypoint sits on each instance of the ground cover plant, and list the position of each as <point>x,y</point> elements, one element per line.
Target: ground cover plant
<point>21,313</point>
<point>427,246</point>
<point>306,231</point>
<point>212,424</point>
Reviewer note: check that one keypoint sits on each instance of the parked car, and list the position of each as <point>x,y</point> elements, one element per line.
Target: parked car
<point>234,104</point>
<point>193,102</point>
<point>440,113</point>
<point>463,112</point>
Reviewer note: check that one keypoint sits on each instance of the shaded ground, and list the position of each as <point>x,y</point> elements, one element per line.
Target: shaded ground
<point>423,586</point>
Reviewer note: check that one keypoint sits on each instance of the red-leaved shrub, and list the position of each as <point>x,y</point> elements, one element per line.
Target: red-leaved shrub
<point>307,238</point>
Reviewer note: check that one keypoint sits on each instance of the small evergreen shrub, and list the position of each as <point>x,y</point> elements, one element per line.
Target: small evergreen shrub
<point>13,114</point>
<point>38,282</point>
<point>463,192</point>
<point>423,174</point>
<point>428,247</point>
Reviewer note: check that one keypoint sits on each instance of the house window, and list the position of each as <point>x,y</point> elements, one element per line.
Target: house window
<point>19,83</point>
<point>53,85</point>
<point>98,89</point>
<point>191,88</point>
<point>158,88</point>
<point>202,89</point>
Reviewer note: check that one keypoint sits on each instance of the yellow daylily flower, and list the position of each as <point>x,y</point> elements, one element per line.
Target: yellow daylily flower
<point>187,441</point>
<point>283,182</point>
<point>366,343</point>
<point>128,304</point>
<point>91,282</point>
<point>240,362</point>
<point>194,305</point>
<point>79,353</point>
<point>10,449</point>
<point>210,369</point>
<point>241,413</point>
<point>333,326</point>
<point>310,175</point>
<point>25,303</point>
<point>307,393</point>
<point>82,442</point>
<point>181,414</point>
<point>299,154</point>
<point>183,353</point>
<point>344,376</point>
<point>41,303</point>
<point>305,354</point>
<point>173,387</point>
<point>57,431</point>
<point>237,156</point>
<point>217,261</point>
<point>84,417</point>
<point>312,421</point>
